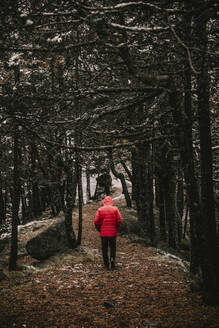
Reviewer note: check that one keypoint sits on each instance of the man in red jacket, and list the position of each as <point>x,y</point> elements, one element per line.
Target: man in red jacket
<point>107,221</point>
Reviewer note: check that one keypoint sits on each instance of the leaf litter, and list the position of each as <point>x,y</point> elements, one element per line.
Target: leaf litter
<point>147,288</point>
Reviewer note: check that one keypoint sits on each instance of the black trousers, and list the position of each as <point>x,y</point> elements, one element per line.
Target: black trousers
<point>108,242</point>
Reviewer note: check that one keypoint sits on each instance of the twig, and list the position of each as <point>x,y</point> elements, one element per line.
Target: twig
<point>185,47</point>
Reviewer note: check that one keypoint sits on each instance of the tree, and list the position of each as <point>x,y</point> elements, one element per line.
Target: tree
<point>210,260</point>
<point>96,78</point>
<point>121,177</point>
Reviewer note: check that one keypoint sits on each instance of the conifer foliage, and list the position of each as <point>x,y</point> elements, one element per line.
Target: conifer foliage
<point>126,87</point>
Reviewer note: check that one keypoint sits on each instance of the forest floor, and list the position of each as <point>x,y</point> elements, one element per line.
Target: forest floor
<point>146,290</point>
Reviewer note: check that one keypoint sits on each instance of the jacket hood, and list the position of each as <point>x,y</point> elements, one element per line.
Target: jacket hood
<point>108,201</point>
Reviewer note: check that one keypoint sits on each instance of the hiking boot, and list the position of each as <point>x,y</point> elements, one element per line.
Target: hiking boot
<point>106,266</point>
<point>113,265</point>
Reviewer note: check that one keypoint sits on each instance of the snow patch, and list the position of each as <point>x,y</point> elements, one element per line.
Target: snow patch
<point>118,197</point>
<point>15,59</point>
<point>167,257</point>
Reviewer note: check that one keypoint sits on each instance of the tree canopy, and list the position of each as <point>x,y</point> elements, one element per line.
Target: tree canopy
<point>120,86</point>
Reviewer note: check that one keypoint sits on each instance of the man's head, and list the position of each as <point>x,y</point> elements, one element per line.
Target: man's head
<point>108,201</point>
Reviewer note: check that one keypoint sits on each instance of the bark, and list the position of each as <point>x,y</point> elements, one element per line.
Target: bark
<point>56,196</point>
<point>88,190</point>
<point>180,203</point>
<point>16,184</point>
<point>126,169</point>
<point>134,174</point>
<point>121,177</point>
<point>80,198</point>
<point>15,204</point>
<point>5,200</point>
<point>2,202</point>
<point>183,120</point>
<point>180,193</point>
<point>161,205</point>
<point>210,256</point>
<point>144,192</point>
<point>36,206</point>
<point>61,189</point>
<point>45,197</point>
<point>24,208</point>
<point>165,170</point>
<point>185,222</point>
<point>170,204</point>
<point>71,186</point>
<point>151,193</point>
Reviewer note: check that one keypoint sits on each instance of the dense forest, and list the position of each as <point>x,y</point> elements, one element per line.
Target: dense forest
<point>124,89</point>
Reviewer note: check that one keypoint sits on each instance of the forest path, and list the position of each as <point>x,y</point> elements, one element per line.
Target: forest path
<point>142,290</point>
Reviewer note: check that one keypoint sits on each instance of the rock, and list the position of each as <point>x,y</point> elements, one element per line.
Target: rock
<point>37,226</point>
<point>167,257</point>
<point>48,242</point>
<point>34,225</point>
<point>138,240</point>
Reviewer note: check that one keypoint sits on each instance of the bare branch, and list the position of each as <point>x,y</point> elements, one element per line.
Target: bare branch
<point>129,5</point>
<point>185,47</point>
<point>139,29</point>
<point>58,23</point>
<point>50,49</point>
<point>215,148</point>
<point>94,148</point>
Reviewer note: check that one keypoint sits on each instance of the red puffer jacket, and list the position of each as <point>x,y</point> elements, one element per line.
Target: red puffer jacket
<point>108,218</point>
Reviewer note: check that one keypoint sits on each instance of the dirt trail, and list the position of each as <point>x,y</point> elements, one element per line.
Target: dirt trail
<point>141,290</point>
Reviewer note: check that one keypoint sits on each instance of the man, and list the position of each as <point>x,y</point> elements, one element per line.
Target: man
<point>107,221</point>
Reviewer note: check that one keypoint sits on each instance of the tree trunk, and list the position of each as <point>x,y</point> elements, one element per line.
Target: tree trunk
<point>134,174</point>
<point>170,204</point>
<point>185,221</point>
<point>6,200</point>
<point>70,198</point>
<point>61,188</point>
<point>210,256</point>
<point>126,169</point>
<point>15,204</point>
<point>24,207</point>
<point>180,203</point>
<point>185,142</point>
<point>88,190</point>
<point>121,177</point>
<point>80,198</point>
<point>144,199</point>
<point>161,206</point>
<point>151,193</point>
<point>35,190</point>
<point>2,202</point>
<point>183,118</point>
